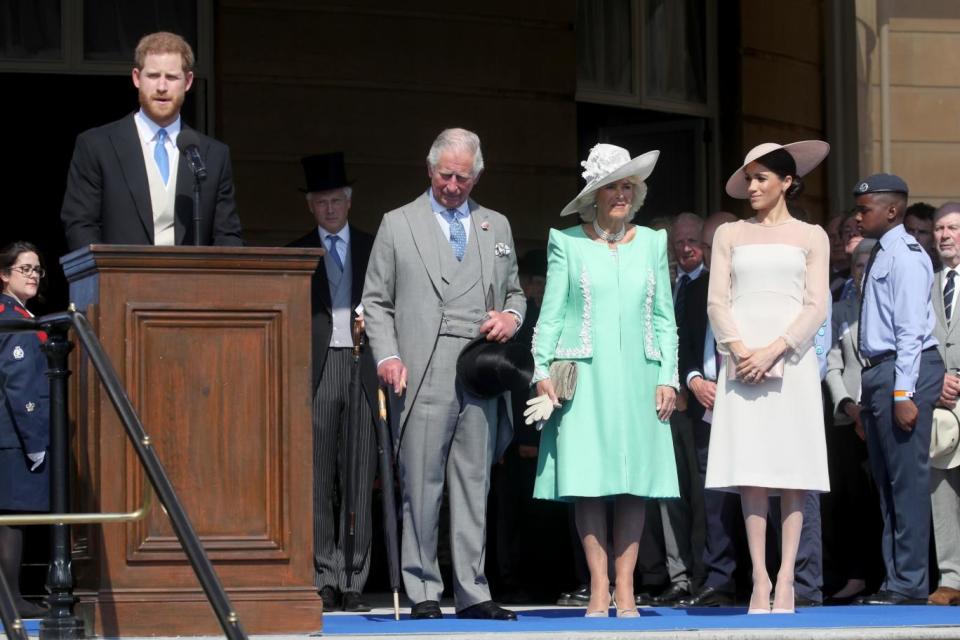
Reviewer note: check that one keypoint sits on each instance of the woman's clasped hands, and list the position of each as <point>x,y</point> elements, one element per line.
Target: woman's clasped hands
<point>753,365</point>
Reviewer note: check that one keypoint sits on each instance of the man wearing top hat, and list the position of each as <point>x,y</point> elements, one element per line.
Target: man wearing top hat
<point>443,270</point>
<point>944,454</point>
<point>336,289</point>
<point>901,382</point>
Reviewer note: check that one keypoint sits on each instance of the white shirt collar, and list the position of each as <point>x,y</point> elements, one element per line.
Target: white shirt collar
<point>343,234</point>
<point>463,211</point>
<point>693,275</point>
<point>147,128</point>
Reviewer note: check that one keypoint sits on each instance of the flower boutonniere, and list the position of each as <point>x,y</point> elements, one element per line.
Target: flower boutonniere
<point>485,225</point>
<point>501,249</point>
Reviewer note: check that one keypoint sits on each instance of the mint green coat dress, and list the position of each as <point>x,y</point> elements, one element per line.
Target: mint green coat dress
<point>612,313</point>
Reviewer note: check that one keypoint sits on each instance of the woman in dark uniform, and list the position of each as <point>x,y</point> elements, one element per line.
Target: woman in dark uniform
<point>24,412</point>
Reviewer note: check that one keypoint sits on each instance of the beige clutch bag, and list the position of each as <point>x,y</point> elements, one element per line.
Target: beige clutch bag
<point>775,372</point>
<point>563,373</point>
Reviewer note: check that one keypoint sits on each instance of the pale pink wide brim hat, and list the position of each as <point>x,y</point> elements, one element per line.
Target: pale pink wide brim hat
<point>609,163</point>
<point>806,153</point>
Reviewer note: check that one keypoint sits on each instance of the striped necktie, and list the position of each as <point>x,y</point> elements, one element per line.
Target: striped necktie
<point>948,295</point>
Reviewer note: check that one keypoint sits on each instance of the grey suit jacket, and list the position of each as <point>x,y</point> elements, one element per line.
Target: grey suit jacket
<point>948,337</point>
<point>404,284</point>
<point>843,360</point>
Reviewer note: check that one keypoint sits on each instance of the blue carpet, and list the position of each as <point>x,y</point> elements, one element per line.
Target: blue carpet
<point>33,626</point>
<point>547,620</point>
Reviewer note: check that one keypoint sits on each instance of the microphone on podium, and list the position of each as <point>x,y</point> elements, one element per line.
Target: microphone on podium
<point>189,144</point>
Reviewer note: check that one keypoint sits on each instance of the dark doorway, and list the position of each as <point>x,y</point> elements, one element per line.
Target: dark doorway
<point>679,181</point>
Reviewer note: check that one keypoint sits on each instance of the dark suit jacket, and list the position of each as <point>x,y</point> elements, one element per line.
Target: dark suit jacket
<point>692,330</point>
<point>322,330</point>
<point>107,199</point>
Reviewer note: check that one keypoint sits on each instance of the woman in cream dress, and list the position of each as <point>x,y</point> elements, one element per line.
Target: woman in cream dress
<point>768,295</point>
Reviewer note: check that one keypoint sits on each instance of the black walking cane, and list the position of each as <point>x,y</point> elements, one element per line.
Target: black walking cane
<point>385,449</point>
<point>350,455</point>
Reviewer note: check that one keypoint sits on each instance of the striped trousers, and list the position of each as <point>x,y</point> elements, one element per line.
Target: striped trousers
<point>331,410</point>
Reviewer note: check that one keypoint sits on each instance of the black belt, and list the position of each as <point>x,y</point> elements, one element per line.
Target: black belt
<point>869,363</point>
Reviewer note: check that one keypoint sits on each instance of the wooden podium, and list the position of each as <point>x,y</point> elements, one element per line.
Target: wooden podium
<point>212,345</point>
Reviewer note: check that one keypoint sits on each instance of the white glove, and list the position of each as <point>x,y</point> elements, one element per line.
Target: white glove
<point>538,410</point>
<point>36,459</point>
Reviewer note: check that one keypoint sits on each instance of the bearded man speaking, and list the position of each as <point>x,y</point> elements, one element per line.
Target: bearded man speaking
<point>129,184</point>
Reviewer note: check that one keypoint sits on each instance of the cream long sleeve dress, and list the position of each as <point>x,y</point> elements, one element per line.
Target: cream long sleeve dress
<point>769,281</point>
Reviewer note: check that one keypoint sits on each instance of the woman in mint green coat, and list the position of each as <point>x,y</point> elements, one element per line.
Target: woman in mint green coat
<point>609,308</point>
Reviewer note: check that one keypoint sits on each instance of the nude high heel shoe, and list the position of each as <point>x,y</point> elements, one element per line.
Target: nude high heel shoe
<point>627,613</point>
<point>599,613</point>
<point>760,610</point>
<point>792,609</point>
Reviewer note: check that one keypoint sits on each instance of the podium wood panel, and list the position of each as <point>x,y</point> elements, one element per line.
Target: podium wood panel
<point>213,348</point>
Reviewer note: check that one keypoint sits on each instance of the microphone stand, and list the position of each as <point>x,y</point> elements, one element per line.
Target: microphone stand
<point>197,179</point>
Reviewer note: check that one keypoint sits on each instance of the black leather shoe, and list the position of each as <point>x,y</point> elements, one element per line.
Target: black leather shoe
<point>889,597</point>
<point>426,610</point>
<point>578,598</point>
<point>330,597</point>
<point>800,601</point>
<point>670,596</point>
<point>708,597</point>
<point>353,603</point>
<point>488,610</point>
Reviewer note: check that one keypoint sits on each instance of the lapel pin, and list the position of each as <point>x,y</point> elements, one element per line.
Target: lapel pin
<point>485,225</point>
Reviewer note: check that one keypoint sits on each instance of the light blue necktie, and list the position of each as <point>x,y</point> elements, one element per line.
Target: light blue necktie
<point>458,235</point>
<point>160,155</point>
<point>332,240</point>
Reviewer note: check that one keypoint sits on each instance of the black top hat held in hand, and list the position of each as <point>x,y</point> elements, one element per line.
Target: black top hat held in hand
<point>487,369</point>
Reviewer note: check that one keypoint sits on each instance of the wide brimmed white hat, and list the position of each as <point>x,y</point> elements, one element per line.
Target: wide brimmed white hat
<point>806,153</point>
<point>608,163</point>
<point>944,438</point>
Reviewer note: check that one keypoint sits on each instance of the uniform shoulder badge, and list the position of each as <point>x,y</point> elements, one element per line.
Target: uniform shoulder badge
<point>913,246</point>
<point>18,353</point>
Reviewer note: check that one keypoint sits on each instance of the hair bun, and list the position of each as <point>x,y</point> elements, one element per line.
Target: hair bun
<point>795,189</point>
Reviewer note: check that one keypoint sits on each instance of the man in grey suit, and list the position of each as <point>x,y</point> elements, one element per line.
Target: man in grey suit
<point>443,270</point>
<point>945,482</point>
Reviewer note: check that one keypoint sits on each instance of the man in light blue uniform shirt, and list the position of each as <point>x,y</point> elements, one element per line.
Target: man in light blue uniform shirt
<point>901,383</point>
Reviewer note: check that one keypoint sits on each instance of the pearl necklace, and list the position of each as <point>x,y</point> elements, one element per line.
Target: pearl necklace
<point>609,237</point>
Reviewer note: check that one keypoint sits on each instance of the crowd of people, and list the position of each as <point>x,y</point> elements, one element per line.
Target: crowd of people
<point>766,365</point>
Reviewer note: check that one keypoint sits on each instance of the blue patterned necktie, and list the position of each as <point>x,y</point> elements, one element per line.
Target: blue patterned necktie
<point>458,235</point>
<point>160,155</point>
<point>948,295</point>
<point>332,241</point>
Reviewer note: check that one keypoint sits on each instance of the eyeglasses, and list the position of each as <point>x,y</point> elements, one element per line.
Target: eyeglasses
<point>28,269</point>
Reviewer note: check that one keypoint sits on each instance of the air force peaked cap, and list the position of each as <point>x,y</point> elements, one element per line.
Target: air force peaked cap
<point>881,183</point>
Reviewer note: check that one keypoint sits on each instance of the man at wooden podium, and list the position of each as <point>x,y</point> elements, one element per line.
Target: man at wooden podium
<point>336,289</point>
<point>128,182</point>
